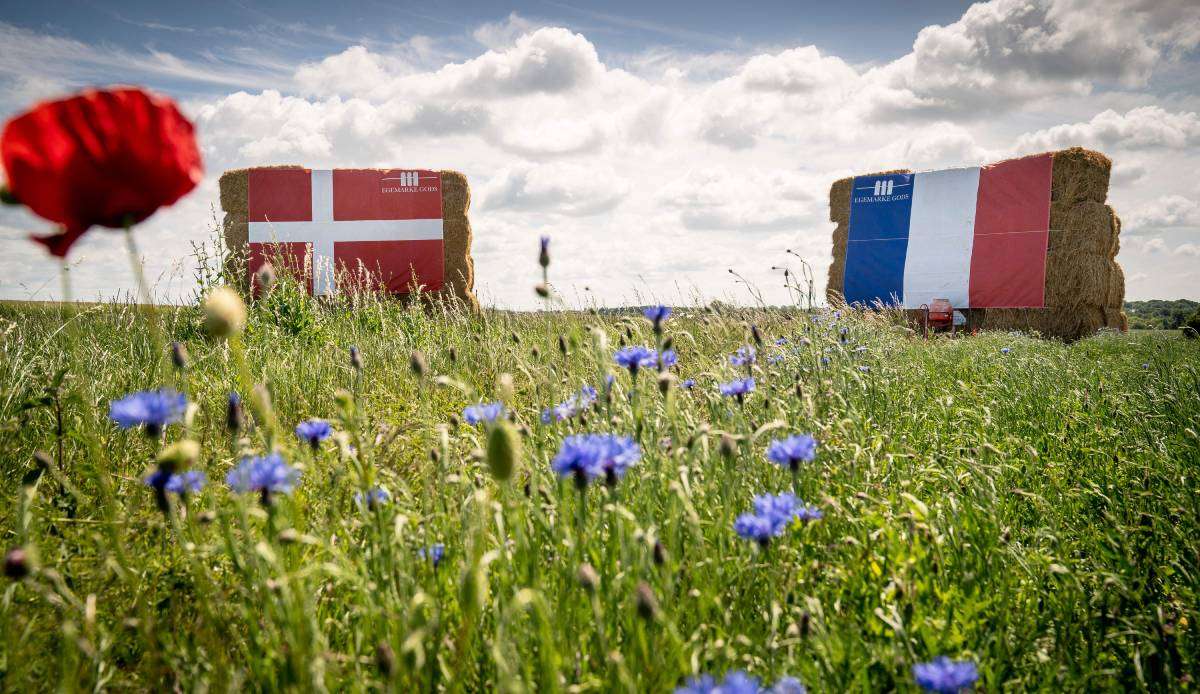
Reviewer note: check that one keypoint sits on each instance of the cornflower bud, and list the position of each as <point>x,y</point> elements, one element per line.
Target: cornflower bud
<point>16,564</point>
<point>179,355</point>
<point>728,446</point>
<point>503,450</point>
<point>757,335</point>
<point>542,290</point>
<point>452,353</point>
<point>659,554</point>
<point>416,362</point>
<point>234,416</point>
<point>544,252</point>
<point>589,580</point>
<point>647,602</point>
<point>385,659</point>
<point>356,360</point>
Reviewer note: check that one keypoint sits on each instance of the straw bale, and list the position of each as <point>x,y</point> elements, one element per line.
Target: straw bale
<point>1115,298</point>
<point>1116,319</point>
<point>1085,287</point>
<point>839,200</point>
<point>1085,227</point>
<point>1076,279</point>
<point>837,269</point>
<point>459,268</point>
<point>1079,175</point>
<point>1115,247</point>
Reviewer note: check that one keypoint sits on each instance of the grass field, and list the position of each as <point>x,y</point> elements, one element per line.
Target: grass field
<point>1026,505</point>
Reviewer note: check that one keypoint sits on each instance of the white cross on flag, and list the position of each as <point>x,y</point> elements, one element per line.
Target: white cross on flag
<point>373,227</point>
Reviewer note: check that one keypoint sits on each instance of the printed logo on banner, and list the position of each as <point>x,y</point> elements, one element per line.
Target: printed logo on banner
<point>405,182</point>
<point>883,190</point>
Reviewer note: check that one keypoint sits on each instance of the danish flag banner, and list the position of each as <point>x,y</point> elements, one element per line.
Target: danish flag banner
<point>975,236</point>
<point>369,227</point>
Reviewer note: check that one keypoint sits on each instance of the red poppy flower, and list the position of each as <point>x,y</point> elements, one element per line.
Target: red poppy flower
<point>102,157</point>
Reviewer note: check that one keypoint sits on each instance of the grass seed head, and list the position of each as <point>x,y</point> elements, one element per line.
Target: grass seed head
<point>224,313</point>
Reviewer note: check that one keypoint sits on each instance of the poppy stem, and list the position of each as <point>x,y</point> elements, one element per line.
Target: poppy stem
<point>147,303</point>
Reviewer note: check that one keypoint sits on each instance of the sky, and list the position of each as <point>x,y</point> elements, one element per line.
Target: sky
<point>660,145</point>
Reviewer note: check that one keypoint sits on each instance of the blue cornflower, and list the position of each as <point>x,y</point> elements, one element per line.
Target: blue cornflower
<point>483,412</point>
<point>824,361</point>
<point>150,409</point>
<point>589,456</point>
<point>635,357</point>
<point>1005,350</point>
<point>774,358</point>
<point>657,314</point>
<point>865,369</point>
<point>373,498</point>
<point>433,553</point>
<point>781,342</point>
<point>738,387</point>
<point>570,407</point>
<point>701,684</point>
<point>735,682</point>
<point>314,431</point>
<point>745,356</point>
<point>180,483</point>
<point>944,675</point>
<point>688,383</point>
<point>772,515</point>
<point>754,527</point>
<point>266,474</point>
<point>738,682</point>
<point>788,685</point>
<point>1146,365</point>
<point>790,452</point>
<point>669,358</point>
<point>544,251</point>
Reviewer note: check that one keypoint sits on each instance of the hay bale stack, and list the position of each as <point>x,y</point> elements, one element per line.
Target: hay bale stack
<point>1085,287</point>
<point>459,275</point>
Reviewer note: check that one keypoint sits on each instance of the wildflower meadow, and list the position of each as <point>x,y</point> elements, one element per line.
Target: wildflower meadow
<point>363,495</point>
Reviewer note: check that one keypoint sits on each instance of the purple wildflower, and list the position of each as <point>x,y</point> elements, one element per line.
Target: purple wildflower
<point>945,676</point>
<point>150,409</point>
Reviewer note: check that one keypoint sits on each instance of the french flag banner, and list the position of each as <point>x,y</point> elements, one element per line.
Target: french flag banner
<point>975,236</point>
<point>371,227</point>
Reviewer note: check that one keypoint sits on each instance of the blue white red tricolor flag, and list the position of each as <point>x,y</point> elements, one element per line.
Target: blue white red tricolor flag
<point>370,227</point>
<point>975,236</point>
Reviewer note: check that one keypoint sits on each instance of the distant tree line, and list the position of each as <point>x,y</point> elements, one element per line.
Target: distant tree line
<point>1160,314</point>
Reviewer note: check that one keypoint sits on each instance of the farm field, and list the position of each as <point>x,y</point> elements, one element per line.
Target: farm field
<point>1024,505</point>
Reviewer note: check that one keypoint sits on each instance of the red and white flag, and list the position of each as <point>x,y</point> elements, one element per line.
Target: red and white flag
<point>375,228</point>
